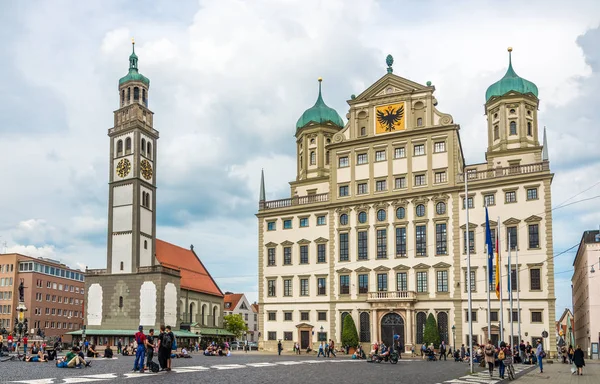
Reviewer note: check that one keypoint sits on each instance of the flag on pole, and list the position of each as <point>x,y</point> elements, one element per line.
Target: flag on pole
<point>497,268</point>
<point>490,247</point>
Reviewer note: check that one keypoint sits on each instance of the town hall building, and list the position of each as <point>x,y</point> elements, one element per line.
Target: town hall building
<point>375,226</point>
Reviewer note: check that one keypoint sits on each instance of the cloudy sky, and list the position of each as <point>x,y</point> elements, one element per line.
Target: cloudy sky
<point>230,78</point>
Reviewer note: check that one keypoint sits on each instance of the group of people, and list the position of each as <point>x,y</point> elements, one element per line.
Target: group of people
<point>215,349</point>
<point>163,344</point>
<point>575,357</point>
<point>326,349</point>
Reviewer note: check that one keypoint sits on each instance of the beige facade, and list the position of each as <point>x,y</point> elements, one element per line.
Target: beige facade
<point>375,224</point>
<point>585,283</point>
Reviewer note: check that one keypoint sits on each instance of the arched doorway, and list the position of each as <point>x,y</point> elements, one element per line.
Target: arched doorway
<point>392,324</point>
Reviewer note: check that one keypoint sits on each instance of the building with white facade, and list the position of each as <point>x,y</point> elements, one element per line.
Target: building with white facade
<point>237,303</point>
<point>375,224</point>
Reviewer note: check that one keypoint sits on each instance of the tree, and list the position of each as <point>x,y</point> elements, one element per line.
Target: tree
<point>235,324</point>
<point>431,334</point>
<point>349,333</point>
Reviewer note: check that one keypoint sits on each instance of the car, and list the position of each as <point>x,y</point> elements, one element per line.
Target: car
<point>234,345</point>
<point>253,345</point>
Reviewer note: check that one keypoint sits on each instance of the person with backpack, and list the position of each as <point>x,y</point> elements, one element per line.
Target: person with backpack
<point>503,353</point>
<point>140,352</point>
<point>165,343</point>
<point>490,356</point>
<point>151,365</point>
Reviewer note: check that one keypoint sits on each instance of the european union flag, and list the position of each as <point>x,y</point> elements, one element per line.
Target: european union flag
<point>490,246</point>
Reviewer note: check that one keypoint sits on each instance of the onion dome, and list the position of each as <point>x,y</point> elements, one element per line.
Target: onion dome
<point>133,74</point>
<point>319,113</point>
<point>510,82</point>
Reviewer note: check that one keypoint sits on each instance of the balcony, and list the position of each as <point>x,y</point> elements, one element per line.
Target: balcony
<point>148,269</point>
<point>392,296</point>
<point>294,201</point>
<point>494,173</point>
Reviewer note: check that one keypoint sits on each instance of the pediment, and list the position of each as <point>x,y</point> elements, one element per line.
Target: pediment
<point>381,268</point>
<point>362,269</point>
<point>344,270</point>
<point>492,224</point>
<point>511,221</point>
<point>471,226</point>
<point>287,243</point>
<point>421,266</point>
<point>388,85</point>
<point>303,242</point>
<point>271,244</point>
<point>304,325</point>
<point>533,219</point>
<point>401,267</point>
<point>321,240</point>
<point>441,265</point>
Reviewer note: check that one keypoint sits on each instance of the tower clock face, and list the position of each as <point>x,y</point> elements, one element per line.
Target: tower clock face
<point>146,169</point>
<point>123,167</point>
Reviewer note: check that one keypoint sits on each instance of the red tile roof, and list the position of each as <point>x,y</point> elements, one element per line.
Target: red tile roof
<point>254,308</point>
<point>234,299</point>
<point>194,276</point>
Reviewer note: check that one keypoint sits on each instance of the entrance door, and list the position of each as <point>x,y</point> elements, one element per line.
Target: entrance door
<point>304,339</point>
<point>392,324</point>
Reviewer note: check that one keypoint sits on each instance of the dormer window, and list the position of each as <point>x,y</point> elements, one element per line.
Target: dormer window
<point>312,141</point>
<point>529,130</point>
<point>512,112</point>
<point>419,122</point>
<point>513,128</point>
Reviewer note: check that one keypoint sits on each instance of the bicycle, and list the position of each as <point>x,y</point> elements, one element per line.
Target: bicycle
<point>510,370</point>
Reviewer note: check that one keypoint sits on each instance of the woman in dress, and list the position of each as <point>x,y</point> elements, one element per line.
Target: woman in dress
<point>578,360</point>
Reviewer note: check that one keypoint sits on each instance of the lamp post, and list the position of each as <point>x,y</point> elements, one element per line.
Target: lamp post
<point>454,337</point>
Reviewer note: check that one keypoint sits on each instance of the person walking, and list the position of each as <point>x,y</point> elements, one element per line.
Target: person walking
<point>503,353</point>
<point>321,350</point>
<point>279,348</point>
<point>570,353</point>
<point>119,346</point>
<point>540,354</point>
<point>578,360</point>
<point>332,347</point>
<point>490,356</point>
<point>25,340</point>
<point>443,350</point>
<point>140,352</point>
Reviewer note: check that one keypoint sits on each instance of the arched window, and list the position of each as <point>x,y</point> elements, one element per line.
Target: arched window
<point>363,131</point>
<point>529,129</point>
<point>136,94</point>
<point>203,314</point>
<point>400,213</point>
<point>121,265</point>
<point>327,158</point>
<point>440,208</point>
<point>442,321</point>
<point>122,97</point>
<point>143,145</point>
<point>313,158</point>
<point>144,97</point>
<point>143,199</point>
<point>149,150</point>
<point>215,322</point>
<point>419,121</point>
<point>343,317</point>
<point>119,147</point>
<point>120,301</point>
<point>128,145</point>
<point>496,132</point>
<point>513,127</point>
<point>421,318</point>
<point>148,200</point>
<point>365,328</point>
<point>145,244</point>
<point>191,312</point>
<point>312,141</point>
<point>129,95</point>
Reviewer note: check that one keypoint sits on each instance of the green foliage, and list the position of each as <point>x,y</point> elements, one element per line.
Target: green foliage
<point>349,333</point>
<point>431,334</point>
<point>235,324</point>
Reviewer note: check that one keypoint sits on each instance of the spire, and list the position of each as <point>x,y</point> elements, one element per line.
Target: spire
<point>389,60</point>
<point>133,59</point>
<point>545,148</point>
<point>262,186</point>
<point>320,97</point>
<point>510,71</point>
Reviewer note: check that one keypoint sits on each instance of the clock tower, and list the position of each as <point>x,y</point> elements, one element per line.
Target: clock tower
<point>132,179</point>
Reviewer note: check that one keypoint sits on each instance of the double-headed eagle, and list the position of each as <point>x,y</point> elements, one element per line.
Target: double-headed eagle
<point>389,117</point>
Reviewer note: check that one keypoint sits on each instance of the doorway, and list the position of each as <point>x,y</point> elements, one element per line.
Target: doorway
<point>304,339</point>
<point>392,324</point>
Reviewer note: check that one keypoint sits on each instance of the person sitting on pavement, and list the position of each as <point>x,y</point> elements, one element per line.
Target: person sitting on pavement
<point>108,352</point>
<point>184,354</point>
<point>91,352</point>
<point>35,358</point>
<point>72,360</point>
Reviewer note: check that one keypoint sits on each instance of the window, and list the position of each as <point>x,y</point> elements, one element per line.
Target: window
<point>272,316</point>
<point>401,281</point>
<point>400,182</point>
<point>362,217</point>
<point>304,254</point>
<point>128,145</point>
<point>363,245</point>
<point>473,281</point>
<point>145,244</point>
<point>344,284</point>
<point>420,210</point>
<point>287,287</point>
<point>313,158</point>
<point>122,266</point>
<point>440,177</point>
<point>344,191</point>
<point>321,253</point>
<point>440,208</point>
<point>494,316</point>
<point>304,316</point>
<point>304,222</point>
<point>303,287</point>
<point>271,288</point>
<point>272,335</point>
<point>421,240</point>
<point>149,152</point>
<point>422,281</point>
<point>382,285</point>
<point>471,241</point>
<point>343,246</point>
<point>362,189</point>
<point>363,131</point>
<point>399,153</point>
<point>320,220</point>
<point>365,328</point>
<point>287,336</point>
<point>381,185</point>
<point>321,286</point>
<point>510,197</point>
<point>532,194</point>
<point>380,155</point>
<point>343,219</point>
<point>287,256</point>
<point>534,279</point>
<point>441,243</point>
<point>321,336</point>
<point>420,180</point>
<point>363,283</point>
<point>489,200</point>
<point>470,202</point>
<point>400,213</point>
<point>442,281</point>
<point>421,318</point>
<point>343,162</point>
<point>536,316</point>
<point>473,314</point>
<point>513,279</point>
<point>322,316</point>
<point>511,237</point>
<point>419,149</point>
<point>271,256</point>
<point>400,242</point>
<point>381,215</point>
<point>534,236</point>
<point>382,243</point>
<point>513,128</point>
<point>439,146</point>
<point>515,315</point>
<point>119,147</point>
<point>287,224</point>
<point>529,129</point>
<point>361,158</point>
<point>496,132</point>
<point>327,157</point>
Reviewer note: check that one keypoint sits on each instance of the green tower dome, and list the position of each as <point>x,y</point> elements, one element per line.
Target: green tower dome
<point>510,82</point>
<point>133,74</point>
<point>319,113</point>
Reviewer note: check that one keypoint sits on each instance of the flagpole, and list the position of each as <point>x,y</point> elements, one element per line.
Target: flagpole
<point>499,282</point>
<point>518,289</point>
<point>466,202</point>
<point>510,296</point>
<point>489,283</point>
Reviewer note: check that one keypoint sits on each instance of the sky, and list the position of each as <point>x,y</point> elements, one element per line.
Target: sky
<point>229,79</point>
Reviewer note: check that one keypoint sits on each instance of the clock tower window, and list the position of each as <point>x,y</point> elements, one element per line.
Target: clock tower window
<point>143,145</point>
<point>136,94</point>
<point>119,147</point>
<point>145,244</point>
<point>122,97</point>
<point>513,128</point>
<point>149,150</point>
<point>128,145</point>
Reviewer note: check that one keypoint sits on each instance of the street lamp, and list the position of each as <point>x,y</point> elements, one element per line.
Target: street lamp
<point>454,337</point>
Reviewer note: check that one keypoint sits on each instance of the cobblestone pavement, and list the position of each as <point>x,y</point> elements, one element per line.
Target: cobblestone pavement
<point>251,369</point>
<point>561,373</point>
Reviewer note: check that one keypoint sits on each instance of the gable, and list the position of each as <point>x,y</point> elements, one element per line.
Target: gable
<point>388,85</point>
